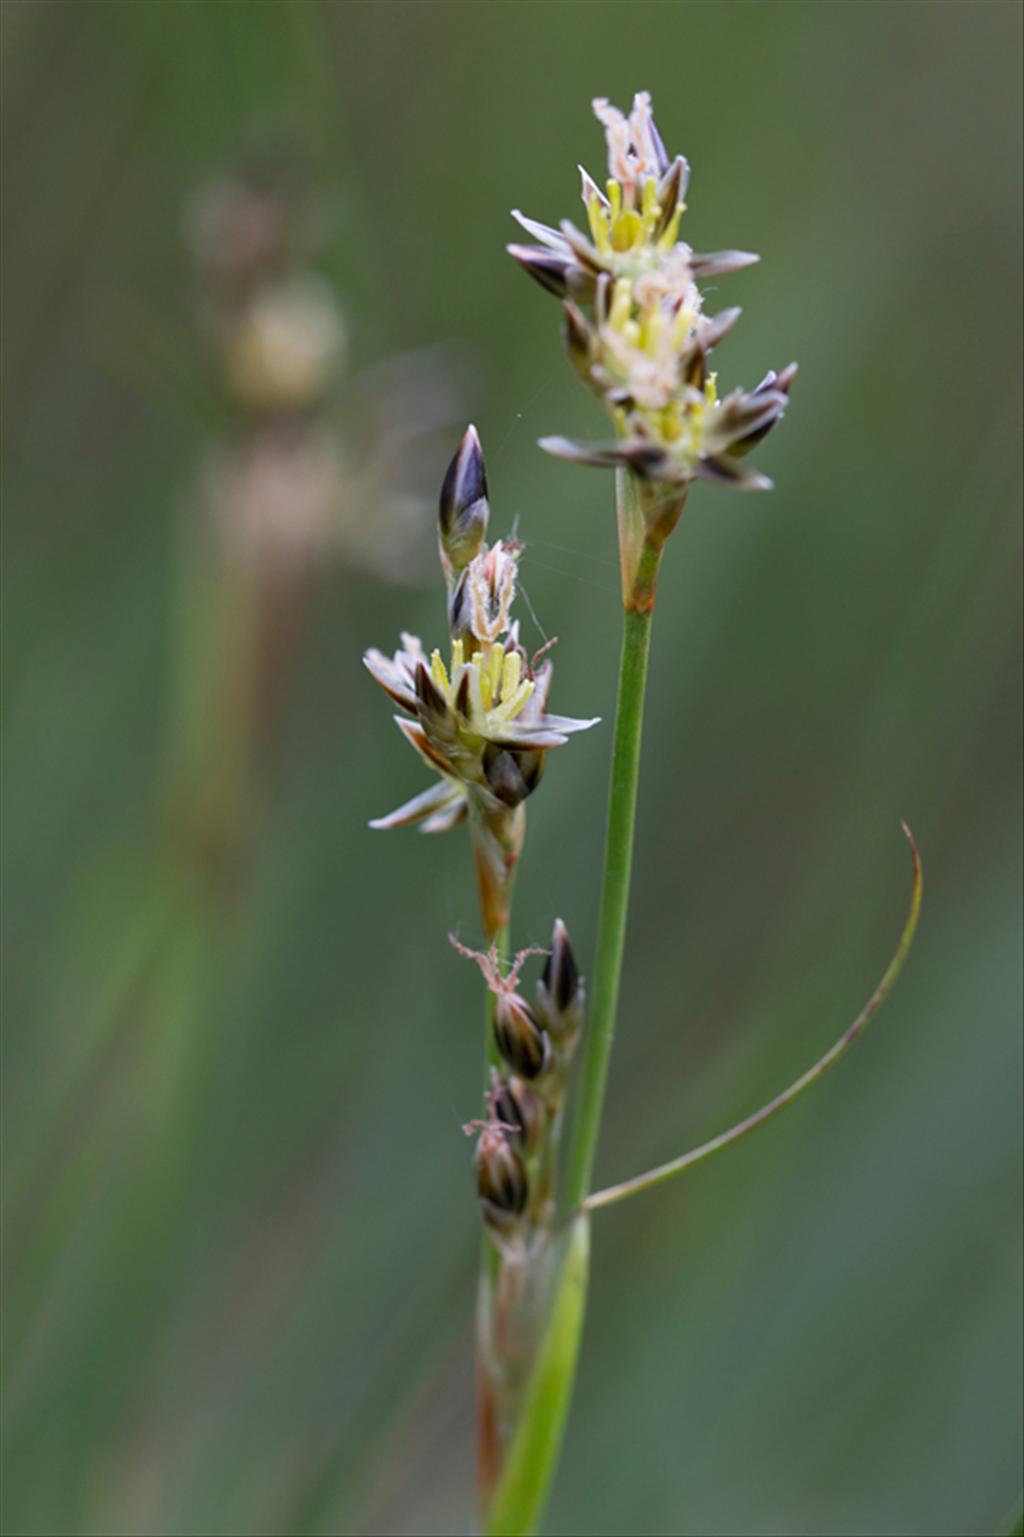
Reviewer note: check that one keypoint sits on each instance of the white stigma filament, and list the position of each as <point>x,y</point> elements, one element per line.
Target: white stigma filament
<point>632,155</point>
<point>491,583</point>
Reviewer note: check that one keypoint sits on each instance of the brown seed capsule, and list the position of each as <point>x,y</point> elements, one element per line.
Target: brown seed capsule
<point>512,774</point>
<point>519,1036</point>
<point>500,1178</point>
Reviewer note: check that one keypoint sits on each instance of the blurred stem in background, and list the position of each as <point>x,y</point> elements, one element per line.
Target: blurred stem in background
<point>294,454</point>
<point>261,512</point>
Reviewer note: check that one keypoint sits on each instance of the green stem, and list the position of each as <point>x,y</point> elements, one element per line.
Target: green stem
<point>611,933</point>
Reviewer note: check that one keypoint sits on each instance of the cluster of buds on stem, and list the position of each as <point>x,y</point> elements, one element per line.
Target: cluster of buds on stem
<point>635,330</point>
<point>478,719</point>
<point>517,1146</point>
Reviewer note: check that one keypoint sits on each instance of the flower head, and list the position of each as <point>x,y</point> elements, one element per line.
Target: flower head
<point>481,722</point>
<point>501,1178</point>
<point>477,714</point>
<point>634,323</point>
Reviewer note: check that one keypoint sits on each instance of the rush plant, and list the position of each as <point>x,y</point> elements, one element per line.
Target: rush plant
<point>477,713</point>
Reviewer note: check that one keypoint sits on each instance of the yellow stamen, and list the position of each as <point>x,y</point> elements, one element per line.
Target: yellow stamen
<point>599,224</point>
<point>650,206</point>
<point>511,707</point>
<point>437,669</point>
<point>672,421</point>
<point>681,325</point>
<point>495,662</point>
<point>652,329</point>
<point>510,674</point>
<point>622,300</point>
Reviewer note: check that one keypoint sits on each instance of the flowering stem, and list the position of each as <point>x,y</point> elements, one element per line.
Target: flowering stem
<point>611,936</point>
<point>515,1499</point>
<point>488,1427</point>
<point>492,1057</point>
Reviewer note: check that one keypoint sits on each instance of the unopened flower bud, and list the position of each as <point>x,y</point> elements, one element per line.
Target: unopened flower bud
<point>500,1179</point>
<point>560,993</point>
<point>519,1036</point>
<point>463,513</point>
<point>512,776</point>
<point>514,1104</point>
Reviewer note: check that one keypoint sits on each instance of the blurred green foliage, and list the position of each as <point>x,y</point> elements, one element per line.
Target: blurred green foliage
<point>239,1225</point>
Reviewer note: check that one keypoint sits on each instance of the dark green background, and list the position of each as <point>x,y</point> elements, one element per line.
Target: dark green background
<point>821,1331</point>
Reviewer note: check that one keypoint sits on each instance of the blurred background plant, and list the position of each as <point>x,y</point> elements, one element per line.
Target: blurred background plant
<point>239,1232</point>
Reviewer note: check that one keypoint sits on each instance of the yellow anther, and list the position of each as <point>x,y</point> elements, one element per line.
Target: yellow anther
<point>513,704</point>
<point>652,329</point>
<point>458,656</point>
<point>598,219</point>
<point>711,389</point>
<point>438,671</point>
<point>649,203</point>
<point>672,421</point>
<point>495,662</point>
<point>510,674</point>
<point>682,324</point>
<point>614,197</point>
<point>622,303</point>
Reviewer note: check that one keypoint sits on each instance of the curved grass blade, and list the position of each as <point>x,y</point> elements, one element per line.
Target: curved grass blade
<point>724,1139</point>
